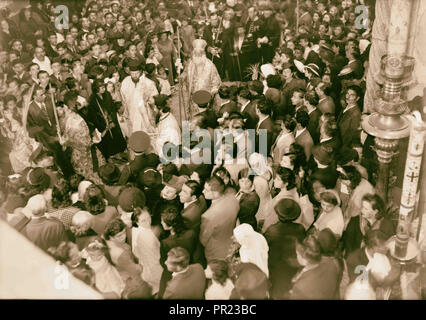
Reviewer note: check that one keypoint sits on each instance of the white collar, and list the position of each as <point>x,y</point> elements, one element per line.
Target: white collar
<point>349,108</point>
<point>369,257</point>
<point>299,132</point>
<point>325,139</point>
<point>187,204</point>
<point>40,105</point>
<point>245,105</point>
<point>223,103</point>
<point>321,166</point>
<point>310,111</point>
<point>322,99</point>
<point>215,201</point>
<point>283,135</point>
<point>262,121</point>
<point>299,107</point>
<point>164,116</point>
<point>174,274</point>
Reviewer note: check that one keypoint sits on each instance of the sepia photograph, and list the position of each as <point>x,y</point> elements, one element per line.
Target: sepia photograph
<point>201,153</point>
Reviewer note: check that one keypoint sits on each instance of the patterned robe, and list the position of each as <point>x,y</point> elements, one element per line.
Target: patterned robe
<point>204,77</point>
<point>77,135</point>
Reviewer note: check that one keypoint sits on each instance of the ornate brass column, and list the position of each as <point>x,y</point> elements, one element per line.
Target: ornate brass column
<point>388,124</point>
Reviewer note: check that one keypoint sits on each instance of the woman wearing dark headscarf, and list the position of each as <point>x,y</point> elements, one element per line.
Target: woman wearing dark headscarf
<point>103,113</point>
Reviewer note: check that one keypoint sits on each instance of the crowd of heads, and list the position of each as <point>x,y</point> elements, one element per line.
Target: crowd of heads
<point>321,185</point>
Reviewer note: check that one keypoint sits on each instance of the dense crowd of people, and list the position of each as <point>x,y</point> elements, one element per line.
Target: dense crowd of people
<point>97,170</point>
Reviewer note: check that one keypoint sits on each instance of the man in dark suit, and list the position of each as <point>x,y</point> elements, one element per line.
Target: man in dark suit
<point>289,86</point>
<point>263,111</point>
<point>41,125</point>
<point>51,50</point>
<point>242,51</point>
<point>252,25</point>
<point>310,100</point>
<point>297,101</point>
<point>82,81</point>
<point>269,34</point>
<point>227,105</point>
<point>19,71</point>
<point>323,167</point>
<point>375,241</point>
<point>305,18</point>
<point>218,222</point>
<point>302,135</point>
<point>326,103</point>
<point>213,34</point>
<point>95,51</point>
<point>329,137</point>
<point>248,108</point>
<point>188,6</point>
<point>350,119</point>
<point>58,75</point>
<point>188,281</point>
<point>194,204</point>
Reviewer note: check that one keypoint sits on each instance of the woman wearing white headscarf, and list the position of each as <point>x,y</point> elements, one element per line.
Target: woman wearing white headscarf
<point>146,247</point>
<point>107,279</point>
<point>254,248</point>
<point>262,182</point>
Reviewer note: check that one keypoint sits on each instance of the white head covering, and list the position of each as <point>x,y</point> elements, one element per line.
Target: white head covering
<point>267,69</point>
<point>36,206</point>
<point>230,3</point>
<point>254,247</point>
<point>379,266</point>
<point>334,192</point>
<point>82,187</point>
<point>81,218</point>
<point>360,290</point>
<point>259,163</point>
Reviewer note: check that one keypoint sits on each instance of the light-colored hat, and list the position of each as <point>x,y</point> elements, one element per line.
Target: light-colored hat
<point>82,187</point>
<point>312,67</point>
<point>267,69</point>
<point>81,218</point>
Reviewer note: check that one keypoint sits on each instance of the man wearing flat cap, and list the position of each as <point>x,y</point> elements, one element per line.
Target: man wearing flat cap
<point>141,153</point>
<point>202,99</point>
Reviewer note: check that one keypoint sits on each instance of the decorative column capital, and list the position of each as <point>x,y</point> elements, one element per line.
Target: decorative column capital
<point>385,149</point>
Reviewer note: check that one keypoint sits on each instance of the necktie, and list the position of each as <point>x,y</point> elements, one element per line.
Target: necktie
<point>44,110</point>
